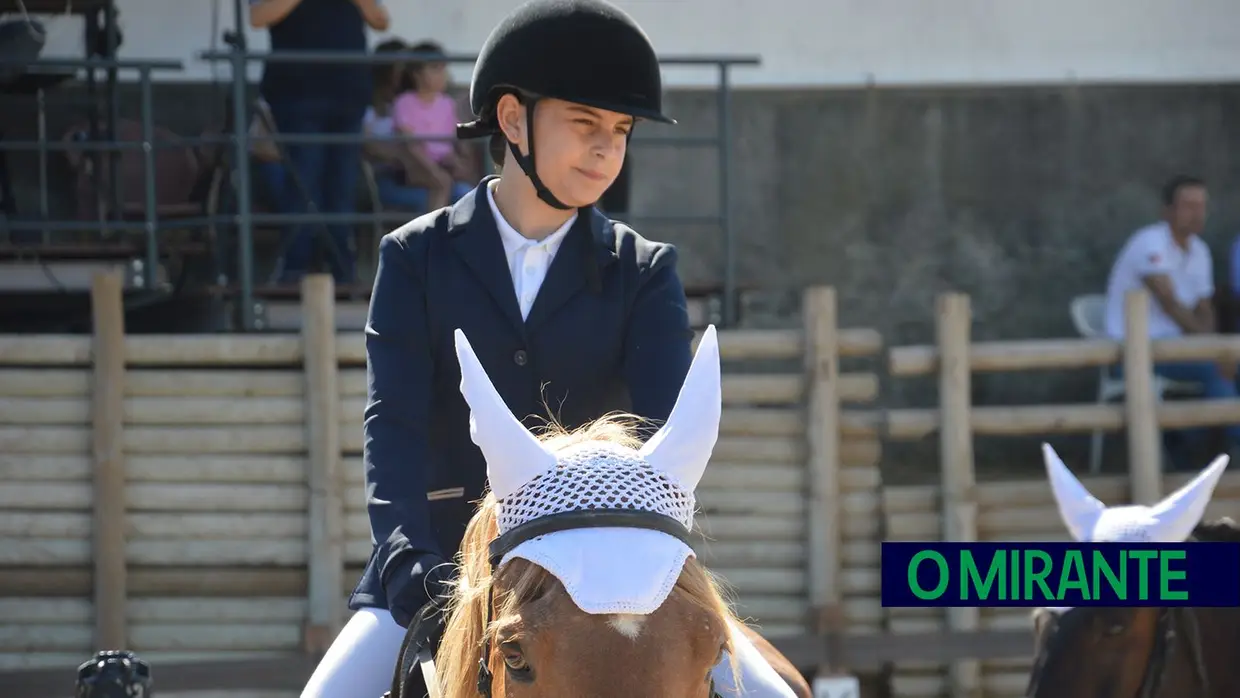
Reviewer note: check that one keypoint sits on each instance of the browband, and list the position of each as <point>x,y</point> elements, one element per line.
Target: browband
<point>586,518</point>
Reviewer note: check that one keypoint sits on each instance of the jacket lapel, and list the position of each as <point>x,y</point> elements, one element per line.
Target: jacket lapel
<point>580,259</point>
<point>476,240</point>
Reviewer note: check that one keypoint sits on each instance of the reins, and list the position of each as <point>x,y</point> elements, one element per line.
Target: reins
<point>1165,646</point>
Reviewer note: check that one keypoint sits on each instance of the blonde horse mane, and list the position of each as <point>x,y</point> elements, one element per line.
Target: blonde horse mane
<point>459,650</point>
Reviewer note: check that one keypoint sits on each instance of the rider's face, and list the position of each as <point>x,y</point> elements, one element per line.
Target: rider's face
<point>578,150</point>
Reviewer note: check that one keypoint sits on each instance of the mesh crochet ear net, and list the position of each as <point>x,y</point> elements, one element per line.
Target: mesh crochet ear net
<point>513,455</point>
<point>1077,507</point>
<point>1179,512</point>
<point>1170,520</point>
<point>596,476</point>
<point>603,477</point>
<point>683,446</point>
<point>530,483</point>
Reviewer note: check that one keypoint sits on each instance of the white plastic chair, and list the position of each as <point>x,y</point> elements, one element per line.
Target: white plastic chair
<point>1089,317</point>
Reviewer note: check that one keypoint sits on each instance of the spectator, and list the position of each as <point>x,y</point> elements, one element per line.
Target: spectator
<point>426,109</point>
<point>1173,263</point>
<point>1233,272</point>
<point>308,98</point>
<point>405,177</point>
<point>1227,300</point>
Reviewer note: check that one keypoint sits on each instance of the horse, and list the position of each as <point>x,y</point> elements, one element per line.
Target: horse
<point>1141,652</point>
<point>1137,652</point>
<point>575,574</point>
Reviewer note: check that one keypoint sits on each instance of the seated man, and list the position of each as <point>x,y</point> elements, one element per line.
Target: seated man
<point>1229,302</point>
<point>1174,264</point>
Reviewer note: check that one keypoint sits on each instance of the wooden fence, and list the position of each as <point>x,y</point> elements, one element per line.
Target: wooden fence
<point>200,498</point>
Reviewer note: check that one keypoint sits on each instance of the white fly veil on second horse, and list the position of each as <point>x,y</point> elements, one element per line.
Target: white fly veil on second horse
<point>530,483</point>
<point>1171,520</point>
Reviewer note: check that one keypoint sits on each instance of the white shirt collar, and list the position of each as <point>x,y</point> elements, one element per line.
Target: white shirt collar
<point>1195,244</point>
<point>514,241</point>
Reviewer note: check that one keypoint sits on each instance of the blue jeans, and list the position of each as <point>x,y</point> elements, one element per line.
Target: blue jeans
<point>1213,386</point>
<point>329,174</point>
<point>394,193</point>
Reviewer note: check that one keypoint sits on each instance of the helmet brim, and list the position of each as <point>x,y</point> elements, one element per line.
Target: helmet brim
<point>635,112</point>
<point>478,128</point>
<point>482,127</point>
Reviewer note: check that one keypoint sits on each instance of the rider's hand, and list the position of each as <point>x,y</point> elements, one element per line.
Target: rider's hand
<point>428,623</point>
<point>426,585</point>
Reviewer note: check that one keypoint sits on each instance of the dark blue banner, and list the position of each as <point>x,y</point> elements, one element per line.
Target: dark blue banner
<point>1060,574</point>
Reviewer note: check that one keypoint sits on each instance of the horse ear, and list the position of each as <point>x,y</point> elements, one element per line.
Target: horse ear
<point>1180,512</point>
<point>513,455</point>
<point>683,446</point>
<point>1078,508</point>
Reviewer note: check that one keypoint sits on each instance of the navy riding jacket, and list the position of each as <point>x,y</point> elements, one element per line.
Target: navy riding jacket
<point>609,330</point>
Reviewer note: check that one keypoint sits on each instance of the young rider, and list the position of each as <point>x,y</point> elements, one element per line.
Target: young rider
<point>568,311</point>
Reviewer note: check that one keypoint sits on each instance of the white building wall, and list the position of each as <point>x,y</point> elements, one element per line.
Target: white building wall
<point>809,43</point>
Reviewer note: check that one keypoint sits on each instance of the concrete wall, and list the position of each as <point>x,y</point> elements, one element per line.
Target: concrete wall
<point>1020,197</point>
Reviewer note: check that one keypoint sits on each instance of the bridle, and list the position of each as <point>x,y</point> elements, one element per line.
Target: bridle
<point>565,521</point>
<point>1173,622</point>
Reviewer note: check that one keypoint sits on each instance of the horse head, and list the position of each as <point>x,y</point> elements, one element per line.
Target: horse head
<point>576,573</point>
<point>1122,652</point>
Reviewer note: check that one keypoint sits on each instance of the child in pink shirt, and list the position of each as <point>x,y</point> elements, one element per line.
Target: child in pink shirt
<point>425,109</point>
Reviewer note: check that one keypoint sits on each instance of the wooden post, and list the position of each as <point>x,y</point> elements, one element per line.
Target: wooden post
<point>1144,434</point>
<point>956,453</point>
<point>823,435</point>
<point>324,477</point>
<point>108,459</point>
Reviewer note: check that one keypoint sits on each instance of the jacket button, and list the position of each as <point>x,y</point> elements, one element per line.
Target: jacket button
<point>520,358</point>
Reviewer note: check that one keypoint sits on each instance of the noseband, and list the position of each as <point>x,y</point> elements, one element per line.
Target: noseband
<point>1172,623</point>
<point>565,521</point>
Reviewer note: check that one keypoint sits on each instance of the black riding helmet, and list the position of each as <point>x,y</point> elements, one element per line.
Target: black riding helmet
<point>583,51</point>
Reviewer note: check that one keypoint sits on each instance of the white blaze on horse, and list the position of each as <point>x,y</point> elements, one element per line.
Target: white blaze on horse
<point>577,577</point>
<point>1136,652</point>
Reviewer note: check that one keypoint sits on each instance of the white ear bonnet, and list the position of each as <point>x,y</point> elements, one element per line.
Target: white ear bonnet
<point>1090,521</point>
<point>604,570</point>
<point>1170,521</point>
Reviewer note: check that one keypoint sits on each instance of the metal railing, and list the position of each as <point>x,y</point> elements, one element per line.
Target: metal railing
<point>238,137</point>
<point>94,147</point>
<point>239,58</point>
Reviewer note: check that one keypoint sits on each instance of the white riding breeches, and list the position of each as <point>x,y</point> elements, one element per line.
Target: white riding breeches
<point>362,659</point>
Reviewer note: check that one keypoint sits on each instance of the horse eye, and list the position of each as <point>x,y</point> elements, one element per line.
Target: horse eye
<point>1115,629</point>
<point>513,659</point>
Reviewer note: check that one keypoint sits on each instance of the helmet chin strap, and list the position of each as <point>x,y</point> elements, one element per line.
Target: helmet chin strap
<point>526,162</point>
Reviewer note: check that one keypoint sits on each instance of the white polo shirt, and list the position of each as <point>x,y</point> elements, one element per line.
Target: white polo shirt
<point>1152,250</point>
<point>528,260</point>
